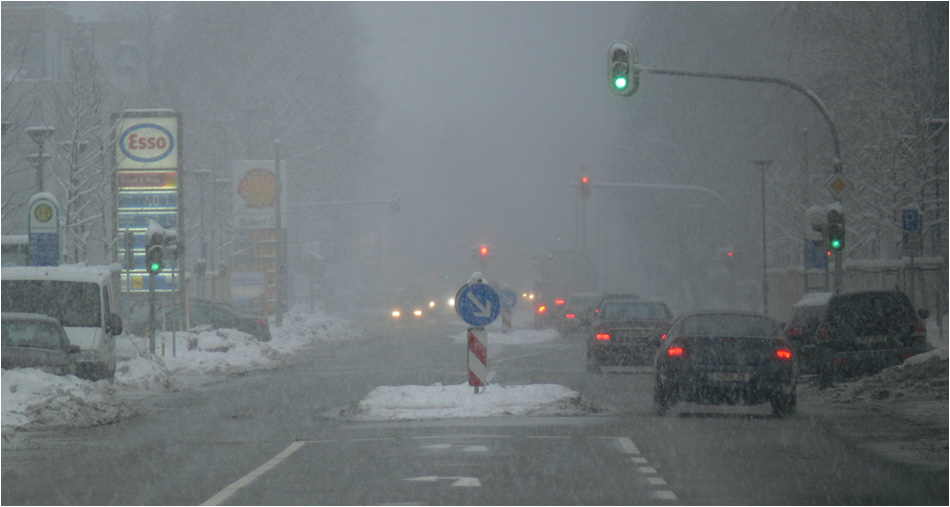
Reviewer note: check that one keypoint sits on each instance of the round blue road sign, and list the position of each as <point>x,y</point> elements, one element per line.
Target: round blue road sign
<point>508,298</point>
<point>478,304</point>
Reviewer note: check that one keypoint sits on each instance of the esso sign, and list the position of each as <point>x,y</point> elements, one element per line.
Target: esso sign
<point>147,142</point>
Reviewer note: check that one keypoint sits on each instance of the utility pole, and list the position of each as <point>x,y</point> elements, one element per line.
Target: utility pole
<point>763,165</point>
<point>281,268</point>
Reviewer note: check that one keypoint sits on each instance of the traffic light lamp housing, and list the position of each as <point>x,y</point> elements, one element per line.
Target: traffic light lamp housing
<point>155,252</point>
<point>624,77</point>
<point>836,230</point>
<point>585,186</point>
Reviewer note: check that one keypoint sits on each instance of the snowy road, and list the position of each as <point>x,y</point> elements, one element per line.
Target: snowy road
<point>296,436</point>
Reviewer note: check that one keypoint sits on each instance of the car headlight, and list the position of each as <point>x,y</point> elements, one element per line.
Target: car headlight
<point>452,302</point>
<point>431,304</point>
<point>417,313</point>
<point>396,314</point>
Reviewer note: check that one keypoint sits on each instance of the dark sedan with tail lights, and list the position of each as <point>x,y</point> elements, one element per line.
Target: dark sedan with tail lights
<point>726,357</point>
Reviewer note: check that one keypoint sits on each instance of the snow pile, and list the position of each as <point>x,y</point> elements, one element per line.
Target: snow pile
<point>923,377</point>
<point>388,403</point>
<point>33,399</point>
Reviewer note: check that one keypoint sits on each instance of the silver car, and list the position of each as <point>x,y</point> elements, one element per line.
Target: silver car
<point>32,340</point>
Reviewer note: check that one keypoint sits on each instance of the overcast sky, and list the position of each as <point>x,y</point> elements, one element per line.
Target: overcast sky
<point>491,110</point>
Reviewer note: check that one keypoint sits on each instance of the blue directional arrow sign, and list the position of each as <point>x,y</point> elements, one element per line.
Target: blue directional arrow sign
<point>478,304</point>
<point>508,298</point>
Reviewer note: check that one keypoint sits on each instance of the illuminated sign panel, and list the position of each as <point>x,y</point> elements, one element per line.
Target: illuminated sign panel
<point>147,156</point>
<point>147,143</point>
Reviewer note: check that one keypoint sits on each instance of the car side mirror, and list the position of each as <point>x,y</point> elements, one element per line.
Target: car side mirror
<point>923,314</point>
<point>114,324</point>
<point>73,349</point>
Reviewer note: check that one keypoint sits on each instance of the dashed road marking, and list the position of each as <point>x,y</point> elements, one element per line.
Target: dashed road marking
<point>226,493</point>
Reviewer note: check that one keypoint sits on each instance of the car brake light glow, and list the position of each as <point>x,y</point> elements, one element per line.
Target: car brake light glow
<point>783,354</point>
<point>559,302</point>
<point>570,315</point>
<point>542,309</point>
<point>676,351</point>
<point>663,337</point>
<point>603,336</point>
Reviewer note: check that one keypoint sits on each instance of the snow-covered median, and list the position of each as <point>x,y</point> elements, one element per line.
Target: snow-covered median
<point>388,403</point>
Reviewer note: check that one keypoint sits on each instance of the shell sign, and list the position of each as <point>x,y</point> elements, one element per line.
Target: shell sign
<point>147,143</point>
<point>254,194</point>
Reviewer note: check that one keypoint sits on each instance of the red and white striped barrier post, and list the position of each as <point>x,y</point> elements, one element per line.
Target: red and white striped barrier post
<point>505,320</point>
<point>477,357</point>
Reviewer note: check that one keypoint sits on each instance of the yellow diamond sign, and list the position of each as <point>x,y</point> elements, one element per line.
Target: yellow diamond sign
<point>838,184</point>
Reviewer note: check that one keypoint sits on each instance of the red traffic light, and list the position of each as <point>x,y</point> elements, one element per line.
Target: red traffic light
<point>585,180</point>
<point>484,251</point>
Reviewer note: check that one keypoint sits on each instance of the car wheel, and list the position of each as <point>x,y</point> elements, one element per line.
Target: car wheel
<point>826,377</point>
<point>783,406</point>
<point>593,365</point>
<point>661,400</point>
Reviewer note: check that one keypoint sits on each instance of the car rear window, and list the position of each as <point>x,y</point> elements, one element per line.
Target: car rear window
<point>872,313</point>
<point>728,325</point>
<point>634,310</point>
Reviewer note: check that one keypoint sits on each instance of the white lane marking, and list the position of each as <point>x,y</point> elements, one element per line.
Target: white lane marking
<point>657,481</point>
<point>463,482</point>
<point>665,495</point>
<point>628,446</point>
<point>465,448</point>
<point>639,460</point>
<point>646,470</point>
<point>225,493</point>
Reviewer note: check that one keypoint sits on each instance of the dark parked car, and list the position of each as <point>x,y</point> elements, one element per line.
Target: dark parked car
<point>626,331</point>
<point>802,324</point>
<point>36,341</point>
<point>726,357</point>
<point>579,312</point>
<point>857,333</point>
<point>215,314</point>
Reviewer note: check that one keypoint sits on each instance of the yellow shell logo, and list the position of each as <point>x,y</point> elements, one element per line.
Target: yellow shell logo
<point>257,188</point>
<point>43,212</point>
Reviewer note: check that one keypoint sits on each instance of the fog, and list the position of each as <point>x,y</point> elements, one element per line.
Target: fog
<point>491,111</point>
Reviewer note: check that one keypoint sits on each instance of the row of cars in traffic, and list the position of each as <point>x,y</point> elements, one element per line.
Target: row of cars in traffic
<point>736,357</point>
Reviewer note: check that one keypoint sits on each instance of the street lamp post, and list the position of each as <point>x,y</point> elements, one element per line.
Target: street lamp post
<point>39,135</point>
<point>202,175</point>
<point>763,165</point>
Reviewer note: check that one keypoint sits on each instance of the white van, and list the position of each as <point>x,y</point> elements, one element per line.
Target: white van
<point>84,299</point>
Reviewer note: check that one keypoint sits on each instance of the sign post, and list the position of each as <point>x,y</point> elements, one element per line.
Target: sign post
<point>478,305</point>
<point>44,230</point>
<point>508,301</point>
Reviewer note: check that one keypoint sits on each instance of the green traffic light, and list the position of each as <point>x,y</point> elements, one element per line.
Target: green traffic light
<point>155,267</point>
<point>836,244</point>
<point>620,82</point>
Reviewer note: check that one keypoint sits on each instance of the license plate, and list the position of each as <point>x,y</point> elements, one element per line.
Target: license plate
<point>725,376</point>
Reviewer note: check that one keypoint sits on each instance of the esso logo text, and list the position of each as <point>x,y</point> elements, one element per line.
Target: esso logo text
<point>146,142</point>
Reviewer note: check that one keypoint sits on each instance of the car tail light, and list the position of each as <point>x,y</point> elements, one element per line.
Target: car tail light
<point>542,310</point>
<point>663,337</point>
<point>596,310</point>
<point>261,322</point>
<point>678,350</point>
<point>604,337</point>
<point>559,302</point>
<point>570,315</point>
<point>793,332</point>
<point>919,327</point>
<point>783,350</point>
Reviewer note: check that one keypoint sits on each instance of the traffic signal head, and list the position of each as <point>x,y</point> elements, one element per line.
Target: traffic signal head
<point>836,230</point>
<point>624,78</point>
<point>585,186</point>
<point>154,252</point>
<point>484,251</point>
